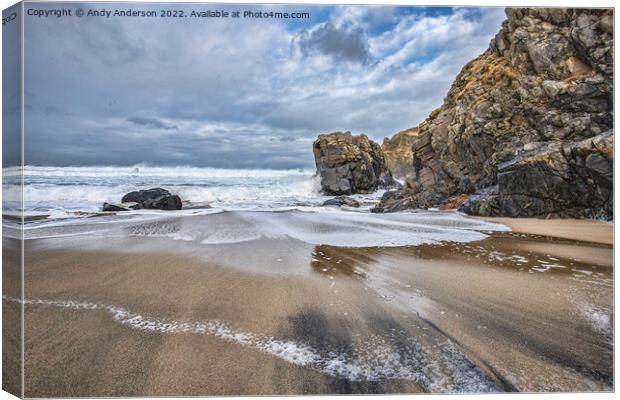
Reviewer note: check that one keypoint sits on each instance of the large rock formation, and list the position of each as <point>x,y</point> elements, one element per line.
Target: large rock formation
<point>398,153</point>
<point>350,164</point>
<point>527,125</point>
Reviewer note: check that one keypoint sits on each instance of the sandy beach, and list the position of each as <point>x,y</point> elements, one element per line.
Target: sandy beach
<point>585,230</point>
<point>144,315</point>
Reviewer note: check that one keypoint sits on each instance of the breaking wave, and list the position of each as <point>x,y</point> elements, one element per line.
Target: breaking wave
<point>87,188</point>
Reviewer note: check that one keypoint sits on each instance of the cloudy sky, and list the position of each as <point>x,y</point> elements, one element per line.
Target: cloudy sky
<point>236,93</point>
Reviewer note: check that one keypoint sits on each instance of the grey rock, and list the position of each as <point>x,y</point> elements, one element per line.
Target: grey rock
<point>121,206</point>
<point>342,201</point>
<point>566,180</point>
<point>607,23</point>
<point>407,199</point>
<point>398,153</point>
<point>348,164</point>
<point>554,88</point>
<point>155,198</point>
<point>413,185</point>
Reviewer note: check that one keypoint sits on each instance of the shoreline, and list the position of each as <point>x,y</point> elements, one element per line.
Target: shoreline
<point>184,318</point>
<point>583,230</point>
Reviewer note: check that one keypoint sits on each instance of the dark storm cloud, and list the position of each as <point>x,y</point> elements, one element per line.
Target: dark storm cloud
<point>152,123</point>
<point>343,44</point>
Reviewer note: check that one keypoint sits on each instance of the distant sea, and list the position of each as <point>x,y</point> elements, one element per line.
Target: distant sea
<point>56,191</point>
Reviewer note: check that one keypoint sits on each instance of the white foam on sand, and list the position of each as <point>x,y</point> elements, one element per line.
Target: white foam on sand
<point>446,370</point>
<point>323,226</point>
<point>346,229</point>
<point>599,318</point>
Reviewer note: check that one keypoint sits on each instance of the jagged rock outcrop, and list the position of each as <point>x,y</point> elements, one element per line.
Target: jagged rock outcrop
<point>350,164</point>
<point>398,153</point>
<point>527,125</point>
<point>565,180</point>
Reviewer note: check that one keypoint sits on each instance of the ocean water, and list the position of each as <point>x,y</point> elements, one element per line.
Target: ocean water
<point>68,189</point>
<point>255,204</point>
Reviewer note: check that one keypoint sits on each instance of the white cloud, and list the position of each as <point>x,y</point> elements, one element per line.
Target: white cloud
<point>248,80</point>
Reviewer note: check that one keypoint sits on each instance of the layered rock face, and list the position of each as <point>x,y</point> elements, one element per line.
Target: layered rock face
<point>350,164</point>
<point>578,176</point>
<point>398,153</point>
<point>526,126</point>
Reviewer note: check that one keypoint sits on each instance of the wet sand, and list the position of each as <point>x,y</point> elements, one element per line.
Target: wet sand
<point>585,230</point>
<point>128,316</point>
<point>11,318</point>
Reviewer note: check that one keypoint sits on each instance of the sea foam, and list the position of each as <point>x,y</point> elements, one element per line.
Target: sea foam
<point>87,188</point>
<point>343,229</point>
<point>322,226</point>
<point>380,358</point>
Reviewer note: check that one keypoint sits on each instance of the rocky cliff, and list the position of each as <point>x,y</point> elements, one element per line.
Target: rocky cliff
<point>398,153</point>
<point>350,164</point>
<point>527,127</point>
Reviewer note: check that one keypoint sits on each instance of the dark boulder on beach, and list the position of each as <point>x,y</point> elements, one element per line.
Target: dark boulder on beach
<point>350,164</point>
<point>157,198</point>
<point>342,201</point>
<point>144,195</point>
